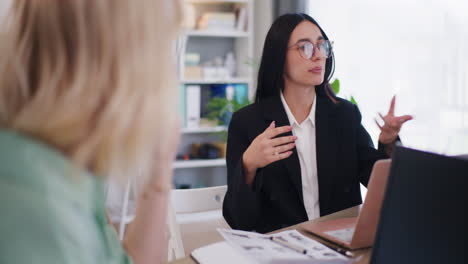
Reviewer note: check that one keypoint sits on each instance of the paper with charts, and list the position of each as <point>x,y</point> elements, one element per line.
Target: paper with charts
<point>263,249</point>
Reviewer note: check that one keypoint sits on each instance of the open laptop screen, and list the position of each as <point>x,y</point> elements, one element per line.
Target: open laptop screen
<point>424,214</point>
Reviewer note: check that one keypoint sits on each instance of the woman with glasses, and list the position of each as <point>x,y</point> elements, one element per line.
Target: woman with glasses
<point>299,152</point>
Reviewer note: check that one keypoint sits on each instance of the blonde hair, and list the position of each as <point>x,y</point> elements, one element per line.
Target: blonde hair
<point>95,79</point>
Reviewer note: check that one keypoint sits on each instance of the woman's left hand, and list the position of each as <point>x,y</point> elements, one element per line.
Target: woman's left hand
<point>392,124</point>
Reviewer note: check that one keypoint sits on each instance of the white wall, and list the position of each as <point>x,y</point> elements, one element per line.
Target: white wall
<point>415,49</point>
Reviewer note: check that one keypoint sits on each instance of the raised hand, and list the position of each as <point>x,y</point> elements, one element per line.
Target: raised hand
<point>392,124</point>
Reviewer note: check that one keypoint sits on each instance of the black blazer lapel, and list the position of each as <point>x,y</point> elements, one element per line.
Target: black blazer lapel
<point>326,131</point>
<point>274,111</point>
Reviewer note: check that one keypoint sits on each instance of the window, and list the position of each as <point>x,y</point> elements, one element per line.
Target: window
<point>415,49</point>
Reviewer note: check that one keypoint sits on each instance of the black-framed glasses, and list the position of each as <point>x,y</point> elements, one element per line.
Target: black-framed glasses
<point>307,49</point>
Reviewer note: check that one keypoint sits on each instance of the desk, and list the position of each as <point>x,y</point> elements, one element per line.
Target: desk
<point>363,254</point>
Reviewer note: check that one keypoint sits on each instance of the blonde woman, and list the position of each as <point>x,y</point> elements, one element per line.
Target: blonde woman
<point>87,90</point>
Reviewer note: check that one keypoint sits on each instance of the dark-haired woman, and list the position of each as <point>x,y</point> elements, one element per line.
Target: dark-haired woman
<point>299,152</point>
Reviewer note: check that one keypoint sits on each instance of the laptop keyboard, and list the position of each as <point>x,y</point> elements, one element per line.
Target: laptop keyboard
<point>345,234</point>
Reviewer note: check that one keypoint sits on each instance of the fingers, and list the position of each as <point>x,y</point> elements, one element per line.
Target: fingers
<point>280,156</point>
<point>282,140</point>
<point>283,148</point>
<point>280,152</point>
<point>381,116</point>
<point>391,111</point>
<point>387,130</point>
<point>388,123</point>
<point>284,155</point>
<point>394,122</point>
<point>405,118</point>
<point>377,123</point>
<point>270,133</point>
<point>270,127</point>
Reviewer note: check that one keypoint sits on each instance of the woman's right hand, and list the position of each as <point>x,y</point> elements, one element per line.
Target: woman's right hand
<point>265,149</point>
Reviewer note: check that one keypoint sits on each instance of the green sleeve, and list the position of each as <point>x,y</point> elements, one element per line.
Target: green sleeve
<point>39,227</point>
<point>31,229</point>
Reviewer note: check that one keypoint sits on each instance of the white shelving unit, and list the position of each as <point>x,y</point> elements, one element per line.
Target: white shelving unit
<point>217,33</point>
<point>200,130</point>
<point>216,1</point>
<point>210,44</point>
<point>216,81</point>
<point>199,163</point>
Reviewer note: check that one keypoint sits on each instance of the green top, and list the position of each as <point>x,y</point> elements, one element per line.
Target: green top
<point>50,211</point>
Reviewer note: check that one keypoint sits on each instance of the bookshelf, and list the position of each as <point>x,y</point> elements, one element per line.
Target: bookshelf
<point>218,33</point>
<point>210,34</point>
<point>215,1</point>
<point>216,81</point>
<point>199,163</point>
<point>199,130</point>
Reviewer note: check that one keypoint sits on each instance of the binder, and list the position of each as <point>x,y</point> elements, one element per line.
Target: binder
<point>192,98</point>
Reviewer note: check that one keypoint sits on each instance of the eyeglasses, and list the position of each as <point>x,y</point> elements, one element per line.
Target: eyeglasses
<point>307,49</point>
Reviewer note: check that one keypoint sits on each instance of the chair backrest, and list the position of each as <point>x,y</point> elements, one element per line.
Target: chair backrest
<point>198,200</point>
<point>175,246</point>
<point>198,215</point>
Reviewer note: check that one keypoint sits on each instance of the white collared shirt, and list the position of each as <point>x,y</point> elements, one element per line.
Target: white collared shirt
<point>306,150</point>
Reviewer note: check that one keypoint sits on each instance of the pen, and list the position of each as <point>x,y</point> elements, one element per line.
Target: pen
<point>288,245</point>
<point>342,251</point>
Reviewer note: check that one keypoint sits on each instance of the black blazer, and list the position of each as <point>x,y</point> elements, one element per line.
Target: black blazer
<point>345,156</point>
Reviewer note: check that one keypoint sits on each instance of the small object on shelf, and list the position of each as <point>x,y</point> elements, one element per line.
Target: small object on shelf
<point>192,59</point>
<point>193,72</point>
<point>210,72</point>
<point>222,148</point>
<point>217,21</point>
<point>192,66</point>
<point>215,73</point>
<point>183,186</point>
<point>205,151</point>
<point>217,69</point>
<point>207,123</point>
<point>241,23</point>
<point>183,156</point>
<point>230,64</point>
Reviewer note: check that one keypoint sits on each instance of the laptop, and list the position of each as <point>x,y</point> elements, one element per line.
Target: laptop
<point>357,232</point>
<point>424,215</point>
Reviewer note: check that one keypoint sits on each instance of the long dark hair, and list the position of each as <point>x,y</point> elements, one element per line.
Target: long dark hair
<point>270,75</point>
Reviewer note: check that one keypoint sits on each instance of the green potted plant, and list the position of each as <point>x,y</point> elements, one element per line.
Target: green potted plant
<point>220,110</point>
<point>335,85</point>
